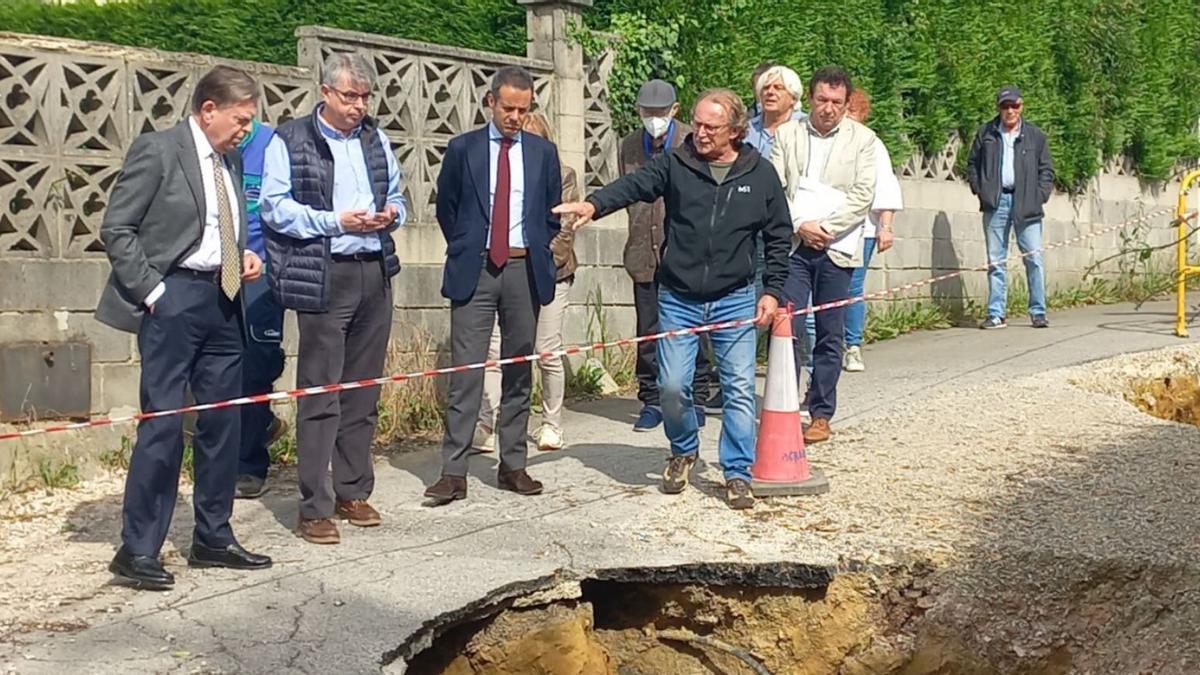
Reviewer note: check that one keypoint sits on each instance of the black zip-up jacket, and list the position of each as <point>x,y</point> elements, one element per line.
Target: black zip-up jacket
<point>710,230</point>
<point>1034,170</point>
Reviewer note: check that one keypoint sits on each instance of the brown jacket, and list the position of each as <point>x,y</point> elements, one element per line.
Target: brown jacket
<point>644,245</point>
<point>563,245</point>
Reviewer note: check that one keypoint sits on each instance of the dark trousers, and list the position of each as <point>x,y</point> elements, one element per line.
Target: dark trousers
<point>509,292</point>
<point>193,338</point>
<point>812,271</point>
<point>346,342</point>
<point>262,364</point>
<point>645,306</point>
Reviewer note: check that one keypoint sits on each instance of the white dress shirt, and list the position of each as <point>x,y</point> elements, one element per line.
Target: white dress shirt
<point>516,172</point>
<point>819,147</point>
<point>207,258</point>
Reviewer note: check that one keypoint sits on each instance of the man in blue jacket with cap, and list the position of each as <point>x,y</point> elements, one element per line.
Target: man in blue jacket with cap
<point>262,362</point>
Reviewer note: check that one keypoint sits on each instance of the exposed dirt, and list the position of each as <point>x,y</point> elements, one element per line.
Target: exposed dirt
<point>1079,617</point>
<point>1174,398</point>
<point>860,624</point>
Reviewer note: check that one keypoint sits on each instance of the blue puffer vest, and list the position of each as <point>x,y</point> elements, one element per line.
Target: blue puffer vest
<point>299,268</point>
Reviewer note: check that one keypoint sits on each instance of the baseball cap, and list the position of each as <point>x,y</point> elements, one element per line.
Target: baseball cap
<point>1008,94</point>
<point>656,94</point>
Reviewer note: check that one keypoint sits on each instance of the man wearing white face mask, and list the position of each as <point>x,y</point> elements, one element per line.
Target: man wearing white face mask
<point>657,106</point>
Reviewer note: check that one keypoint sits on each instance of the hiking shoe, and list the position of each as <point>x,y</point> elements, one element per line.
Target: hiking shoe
<point>250,487</point>
<point>738,494</point>
<point>675,475</point>
<point>549,438</point>
<point>852,361</point>
<point>484,440</point>
<point>1039,321</point>
<point>993,322</point>
<point>649,419</point>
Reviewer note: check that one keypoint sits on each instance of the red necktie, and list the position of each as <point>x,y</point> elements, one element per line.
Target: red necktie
<point>500,219</point>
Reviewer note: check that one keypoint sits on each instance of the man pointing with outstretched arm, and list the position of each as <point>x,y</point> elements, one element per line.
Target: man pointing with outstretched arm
<point>719,195</point>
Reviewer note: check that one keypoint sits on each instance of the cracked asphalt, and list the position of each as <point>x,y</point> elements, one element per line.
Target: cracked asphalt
<point>341,608</point>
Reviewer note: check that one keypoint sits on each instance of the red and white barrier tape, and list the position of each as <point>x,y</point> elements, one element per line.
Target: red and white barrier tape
<point>558,353</point>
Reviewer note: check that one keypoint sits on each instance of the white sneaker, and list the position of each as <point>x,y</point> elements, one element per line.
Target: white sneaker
<point>550,438</point>
<point>852,361</point>
<point>484,440</point>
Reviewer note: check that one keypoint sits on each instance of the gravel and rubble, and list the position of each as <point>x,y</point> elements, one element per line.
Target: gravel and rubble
<point>1055,517</point>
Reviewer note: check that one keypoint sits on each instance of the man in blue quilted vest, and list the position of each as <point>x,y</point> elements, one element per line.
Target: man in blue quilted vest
<point>330,200</point>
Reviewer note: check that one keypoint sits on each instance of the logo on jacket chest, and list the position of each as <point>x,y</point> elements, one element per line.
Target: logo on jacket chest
<point>743,189</point>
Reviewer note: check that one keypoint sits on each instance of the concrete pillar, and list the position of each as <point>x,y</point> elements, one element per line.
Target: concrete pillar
<point>547,23</point>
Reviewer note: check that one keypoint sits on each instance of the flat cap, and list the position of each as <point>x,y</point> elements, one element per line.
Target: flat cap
<point>656,94</point>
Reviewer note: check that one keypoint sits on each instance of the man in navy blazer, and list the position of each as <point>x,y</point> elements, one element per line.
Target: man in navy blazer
<point>495,190</point>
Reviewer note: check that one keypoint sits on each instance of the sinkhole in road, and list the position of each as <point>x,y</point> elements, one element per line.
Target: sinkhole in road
<point>706,618</point>
<point>1174,397</point>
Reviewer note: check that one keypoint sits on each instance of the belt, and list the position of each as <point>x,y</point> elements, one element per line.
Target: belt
<point>516,252</point>
<point>361,256</point>
<point>212,276</point>
<point>1008,191</point>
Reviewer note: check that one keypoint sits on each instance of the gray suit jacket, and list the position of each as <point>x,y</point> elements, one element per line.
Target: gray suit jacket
<point>155,220</point>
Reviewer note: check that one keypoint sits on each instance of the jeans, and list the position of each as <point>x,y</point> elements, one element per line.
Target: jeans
<point>735,351</point>
<point>996,227</point>
<point>813,272</point>
<point>856,314</point>
<point>705,382</point>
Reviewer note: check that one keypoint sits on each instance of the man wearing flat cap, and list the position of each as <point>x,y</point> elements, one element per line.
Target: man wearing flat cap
<point>657,106</point>
<point>1010,170</point>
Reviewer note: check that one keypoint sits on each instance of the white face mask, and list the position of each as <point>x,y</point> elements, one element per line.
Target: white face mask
<point>656,126</point>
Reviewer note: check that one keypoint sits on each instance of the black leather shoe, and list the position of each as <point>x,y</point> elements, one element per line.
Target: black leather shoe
<point>446,490</point>
<point>140,571</point>
<point>232,556</point>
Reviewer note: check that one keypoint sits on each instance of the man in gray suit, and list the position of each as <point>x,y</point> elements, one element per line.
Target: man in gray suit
<point>175,234</point>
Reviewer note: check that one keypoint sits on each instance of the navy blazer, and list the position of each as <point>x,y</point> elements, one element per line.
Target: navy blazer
<point>464,215</point>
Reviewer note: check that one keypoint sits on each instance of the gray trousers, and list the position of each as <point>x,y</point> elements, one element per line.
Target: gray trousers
<point>346,342</point>
<point>508,292</point>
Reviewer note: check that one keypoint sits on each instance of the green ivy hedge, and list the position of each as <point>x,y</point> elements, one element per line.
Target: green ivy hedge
<point>1102,77</point>
<point>262,30</point>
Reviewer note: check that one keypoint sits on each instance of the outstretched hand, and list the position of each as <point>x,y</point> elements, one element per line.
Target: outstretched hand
<point>582,211</point>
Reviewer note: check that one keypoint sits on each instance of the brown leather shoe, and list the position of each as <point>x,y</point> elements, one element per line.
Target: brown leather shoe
<point>447,489</point>
<point>358,512</point>
<point>318,531</point>
<point>818,431</point>
<point>519,482</point>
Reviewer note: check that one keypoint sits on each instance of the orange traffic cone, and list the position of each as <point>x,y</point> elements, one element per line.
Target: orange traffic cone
<point>780,463</point>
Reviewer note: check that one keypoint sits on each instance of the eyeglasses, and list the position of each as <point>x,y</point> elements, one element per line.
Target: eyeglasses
<point>707,128</point>
<point>352,97</point>
<point>1008,105</point>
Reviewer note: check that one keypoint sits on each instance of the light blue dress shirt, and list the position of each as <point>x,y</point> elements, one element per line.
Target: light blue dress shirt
<point>516,172</point>
<point>351,190</point>
<point>1008,172</point>
<point>763,140</point>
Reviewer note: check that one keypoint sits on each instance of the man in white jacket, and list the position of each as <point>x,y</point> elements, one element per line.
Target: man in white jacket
<point>827,154</point>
